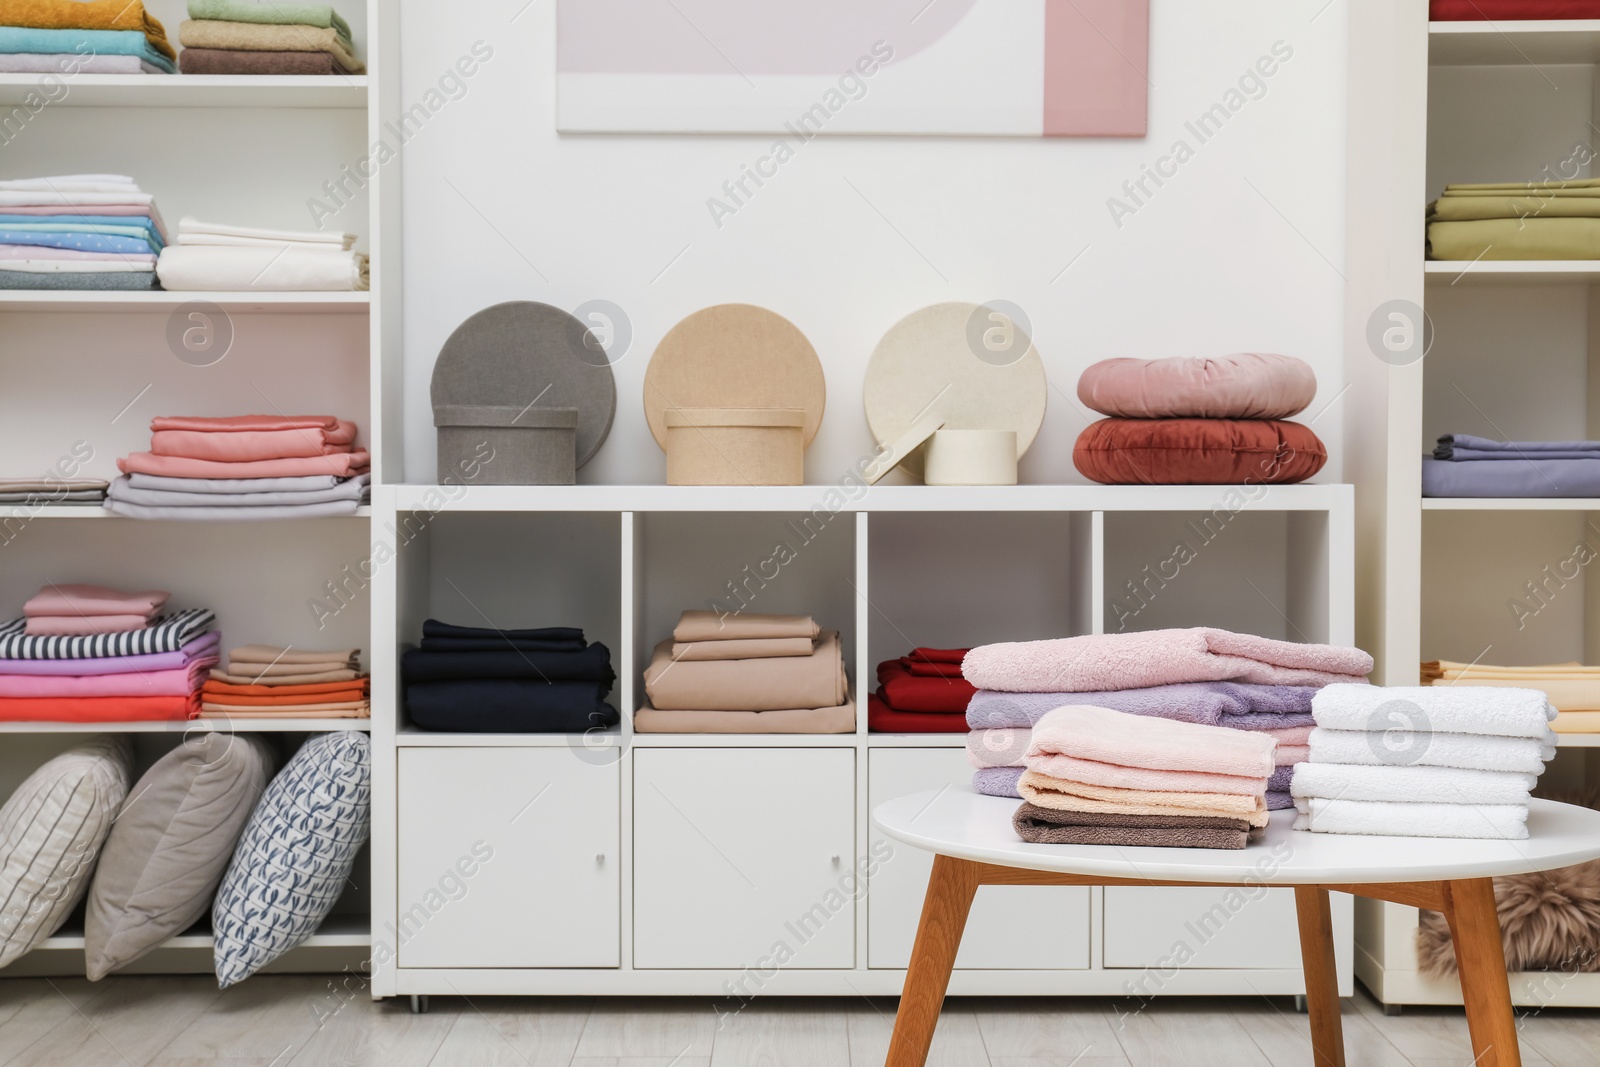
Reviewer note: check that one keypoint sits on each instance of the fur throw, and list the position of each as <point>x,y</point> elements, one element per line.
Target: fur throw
<point>1549,921</point>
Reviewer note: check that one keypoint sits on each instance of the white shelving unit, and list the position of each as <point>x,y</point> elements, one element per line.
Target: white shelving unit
<point>95,367</point>
<point>1515,355</point>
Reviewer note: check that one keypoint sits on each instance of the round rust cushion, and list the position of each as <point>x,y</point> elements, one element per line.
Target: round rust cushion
<point>1198,452</point>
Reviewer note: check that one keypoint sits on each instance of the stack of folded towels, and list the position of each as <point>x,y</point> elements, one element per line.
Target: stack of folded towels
<point>469,679</point>
<point>78,231</point>
<point>50,490</point>
<point>284,682</point>
<point>1516,220</point>
<point>209,256</point>
<point>1463,465</point>
<point>747,674</point>
<point>244,467</point>
<point>1199,421</point>
<point>1101,777</point>
<point>1202,676</point>
<point>1424,761</point>
<point>248,37</point>
<point>1572,688</point>
<point>87,653</point>
<point>921,693</point>
<point>71,37</point>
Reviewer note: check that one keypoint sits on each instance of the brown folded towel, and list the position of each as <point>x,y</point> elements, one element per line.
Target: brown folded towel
<point>238,61</point>
<point>753,648</point>
<point>260,37</point>
<point>839,720</point>
<point>714,626</point>
<point>248,676</point>
<point>814,681</point>
<point>279,655</point>
<point>1047,826</point>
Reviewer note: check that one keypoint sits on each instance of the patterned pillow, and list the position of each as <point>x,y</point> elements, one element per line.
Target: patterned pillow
<point>295,855</point>
<point>51,830</point>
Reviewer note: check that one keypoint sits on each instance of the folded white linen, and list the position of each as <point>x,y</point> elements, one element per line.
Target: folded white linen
<point>80,266</point>
<point>232,514</point>
<point>1375,818</point>
<point>1493,712</point>
<point>350,489</point>
<point>304,484</point>
<point>52,198</point>
<point>1412,785</point>
<point>68,64</point>
<point>191,231</point>
<point>284,268</point>
<point>1473,751</point>
<point>273,242</point>
<point>85,183</point>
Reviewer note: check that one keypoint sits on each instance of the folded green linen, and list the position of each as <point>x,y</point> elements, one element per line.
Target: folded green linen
<point>1533,206</point>
<point>275,13</point>
<point>1570,183</point>
<point>1507,239</point>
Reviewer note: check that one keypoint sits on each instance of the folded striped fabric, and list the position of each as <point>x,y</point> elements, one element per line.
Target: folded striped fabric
<point>167,634</point>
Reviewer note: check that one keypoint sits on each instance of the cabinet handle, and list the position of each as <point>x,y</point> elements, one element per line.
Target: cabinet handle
<point>836,859</point>
<point>600,858</point>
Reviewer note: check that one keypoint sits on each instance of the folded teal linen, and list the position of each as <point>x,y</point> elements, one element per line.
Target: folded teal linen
<point>141,233</point>
<point>277,14</point>
<point>83,42</point>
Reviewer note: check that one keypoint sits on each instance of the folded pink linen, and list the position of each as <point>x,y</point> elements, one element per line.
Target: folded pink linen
<point>180,681</point>
<point>1106,736</point>
<point>1100,662</point>
<point>1291,735</point>
<point>1093,772</point>
<point>243,423</point>
<point>83,625</point>
<point>76,598</point>
<point>340,465</point>
<point>243,446</point>
<point>1067,795</point>
<point>1289,755</point>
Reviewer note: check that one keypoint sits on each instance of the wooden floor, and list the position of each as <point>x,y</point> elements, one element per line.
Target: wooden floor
<point>299,1021</point>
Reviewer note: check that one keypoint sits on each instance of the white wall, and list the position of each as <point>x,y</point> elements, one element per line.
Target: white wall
<point>1242,250</point>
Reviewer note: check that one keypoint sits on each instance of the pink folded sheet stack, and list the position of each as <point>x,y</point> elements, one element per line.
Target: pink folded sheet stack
<point>88,653</point>
<point>244,467</point>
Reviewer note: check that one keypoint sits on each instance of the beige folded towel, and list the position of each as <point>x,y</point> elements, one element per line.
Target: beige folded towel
<point>839,720</point>
<point>278,655</point>
<point>250,677</point>
<point>1067,795</point>
<point>715,626</point>
<point>814,681</point>
<point>754,648</point>
<point>262,37</point>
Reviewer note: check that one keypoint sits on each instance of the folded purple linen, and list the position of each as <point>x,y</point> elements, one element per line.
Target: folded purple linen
<point>1279,801</point>
<point>1239,705</point>
<point>999,781</point>
<point>1531,475</point>
<point>1281,777</point>
<point>207,644</point>
<point>1461,446</point>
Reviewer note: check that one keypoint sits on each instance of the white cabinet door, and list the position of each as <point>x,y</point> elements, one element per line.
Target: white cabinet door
<point>743,858</point>
<point>1009,927</point>
<point>1202,928</point>
<point>508,857</point>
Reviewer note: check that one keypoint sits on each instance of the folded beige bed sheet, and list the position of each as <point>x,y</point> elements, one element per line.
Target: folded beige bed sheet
<point>814,681</point>
<point>753,648</point>
<point>716,626</point>
<point>837,720</point>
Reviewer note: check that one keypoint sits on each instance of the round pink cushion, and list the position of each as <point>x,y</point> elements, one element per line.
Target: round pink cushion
<point>1246,385</point>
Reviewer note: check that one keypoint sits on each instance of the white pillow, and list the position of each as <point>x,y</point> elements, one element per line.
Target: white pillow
<point>295,855</point>
<point>51,830</point>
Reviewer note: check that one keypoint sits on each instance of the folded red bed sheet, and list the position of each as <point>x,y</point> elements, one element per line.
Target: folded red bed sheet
<point>1511,10</point>
<point>886,720</point>
<point>904,691</point>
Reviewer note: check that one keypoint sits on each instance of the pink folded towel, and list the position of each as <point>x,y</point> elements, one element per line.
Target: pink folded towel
<point>177,682</point>
<point>78,599</point>
<point>1115,737</point>
<point>83,625</point>
<point>1101,662</point>
<point>340,465</point>
<point>244,423</point>
<point>1289,755</point>
<point>243,446</point>
<point>1291,735</point>
<point>1066,795</point>
<point>1093,772</point>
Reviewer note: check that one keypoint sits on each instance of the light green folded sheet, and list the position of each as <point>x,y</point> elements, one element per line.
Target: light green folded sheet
<point>1501,239</point>
<point>277,13</point>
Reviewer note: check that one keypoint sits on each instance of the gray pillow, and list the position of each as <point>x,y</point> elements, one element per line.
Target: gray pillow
<point>169,847</point>
<point>51,830</point>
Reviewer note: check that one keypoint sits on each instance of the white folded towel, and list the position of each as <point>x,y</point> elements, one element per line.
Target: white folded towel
<point>193,231</point>
<point>54,198</point>
<point>1440,708</point>
<point>1375,818</point>
<point>1472,751</point>
<point>1414,785</point>
<point>81,183</point>
<point>284,268</point>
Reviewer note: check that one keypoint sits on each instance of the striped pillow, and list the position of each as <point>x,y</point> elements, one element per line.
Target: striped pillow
<point>295,855</point>
<point>51,830</point>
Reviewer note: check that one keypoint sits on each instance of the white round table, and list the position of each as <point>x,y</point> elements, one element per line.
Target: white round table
<point>974,844</point>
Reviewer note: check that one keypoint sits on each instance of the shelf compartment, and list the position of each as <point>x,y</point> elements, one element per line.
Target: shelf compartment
<point>193,90</point>
<point>1443,272</point>
<point>1507,43</point>
<point>352,303</point>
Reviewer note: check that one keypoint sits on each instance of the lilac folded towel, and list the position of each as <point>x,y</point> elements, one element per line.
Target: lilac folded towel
<point>1281,777</point>
<point>1279,801</point>
<point>1238,705</point>
<point>998,748</point>
<point>998,782</point>
<point>1099,662</point>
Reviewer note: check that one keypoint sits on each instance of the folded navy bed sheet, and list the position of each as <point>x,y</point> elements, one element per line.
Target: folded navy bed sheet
<point>592,663</point>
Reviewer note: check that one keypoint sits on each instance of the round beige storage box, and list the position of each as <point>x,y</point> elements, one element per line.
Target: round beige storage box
<point>736,446</point>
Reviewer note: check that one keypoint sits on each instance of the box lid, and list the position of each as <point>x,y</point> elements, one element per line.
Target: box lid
<point>781,418</point>
<point>506,416</point>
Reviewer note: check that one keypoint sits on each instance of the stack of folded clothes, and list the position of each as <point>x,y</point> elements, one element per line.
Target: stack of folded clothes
<point>283,682</point>
<point>78,231</point>
<point>209,256</point>
<point>1202,676</point>
<point>1516,220</point>
<point>1101,777</point>
<point>86,653</point>
<point>1424,761</point>
<point>1463,465</point>
<point>50,490</point>
<point>921,693</point>
<point>244,467</point>
<point>1511,10</point>
<point>72,37</point>
<point>468,679</point>
<point>747,674</point>
<point>1199,421</point>
<point>248,37</point>
<point>1572,688</point>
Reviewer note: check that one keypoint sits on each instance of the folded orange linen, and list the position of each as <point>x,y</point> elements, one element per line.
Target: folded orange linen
<point>241,446</point>
<point>310,689</point>
<point>340,465</point>
<point>363,712</point>
<point>247,709</point>
<point>98,709</point>
<point>336,697</point>
<point>87,15</point>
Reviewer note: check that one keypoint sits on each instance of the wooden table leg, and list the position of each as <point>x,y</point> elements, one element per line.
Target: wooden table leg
<point>1322,977</point>
<point>944,916</point>
<point>1480,956</point>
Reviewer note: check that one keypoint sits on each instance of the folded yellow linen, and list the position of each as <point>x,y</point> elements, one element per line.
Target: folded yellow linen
<point>1479,187</point>
<point>1510,239</point>
<point>1569,686</point>
<point>1534,206</point>
<point>87,15</point>
<point>262,37</point>
<point>1065,795</point>
<point>1577,722</point>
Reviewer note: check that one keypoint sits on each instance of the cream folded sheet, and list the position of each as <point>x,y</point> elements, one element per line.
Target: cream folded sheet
<point>785,682</point>
<point>716,626</point>
<point>261,268</point>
